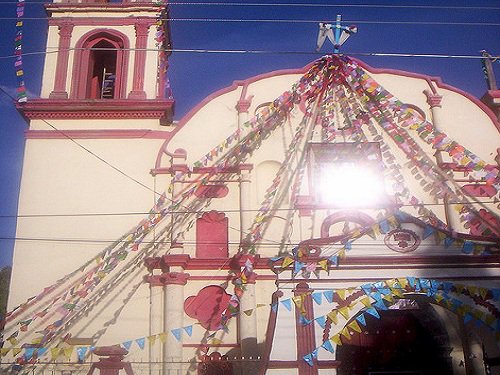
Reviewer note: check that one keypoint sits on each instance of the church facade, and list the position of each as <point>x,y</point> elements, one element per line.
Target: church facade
<point>333,219</point>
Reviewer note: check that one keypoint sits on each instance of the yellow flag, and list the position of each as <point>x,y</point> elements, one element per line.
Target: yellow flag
<point>483,292</point>
<point>216,341</point>
<point>323,264</point>
<point>54,353</point>
<point>151,340</point>
<point>4,351</point>
<point>68,352</point>
<point>286,262</point>
<point>298,301</point>
<point>472,290</point>
<point>248,312</point>
<point>366,301</point>
<point>344,311</point>
<point>388,297</point>
<point>438,297</point>
<point>403,281</point>
<point>355,326</point>
<point>336,339</point>
<point>163,337</point>
<point>332,315</point>
<point>345,333</point>
<point>341,294</point>
<point>16,351</point>
<point>397,292</point>
<point>262,305</point>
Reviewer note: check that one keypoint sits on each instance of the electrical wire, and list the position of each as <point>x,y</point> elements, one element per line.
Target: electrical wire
<point>278,21</point>
<point>304,5</point>
<point>176,212</point>
<point>267,52</point>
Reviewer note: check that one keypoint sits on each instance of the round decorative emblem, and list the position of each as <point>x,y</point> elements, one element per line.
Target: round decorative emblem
<point>402,240</point>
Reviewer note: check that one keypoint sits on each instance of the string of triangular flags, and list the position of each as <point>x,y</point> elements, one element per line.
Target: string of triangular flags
<point>379,296</point>
<point>18,52</point>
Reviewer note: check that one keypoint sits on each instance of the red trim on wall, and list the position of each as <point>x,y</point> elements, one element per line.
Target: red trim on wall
<point>270,332</point>
<point>59,91</point>
<point>141,40</point>
<point>96,134</point>
<point>306,340</point>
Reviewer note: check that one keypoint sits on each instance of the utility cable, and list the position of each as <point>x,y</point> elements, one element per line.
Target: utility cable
<point>267,52</point>
<point>303,5</point>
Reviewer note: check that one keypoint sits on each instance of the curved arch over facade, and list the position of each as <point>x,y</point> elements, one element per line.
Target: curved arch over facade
<point>95,45</point>
<point>357,217</point>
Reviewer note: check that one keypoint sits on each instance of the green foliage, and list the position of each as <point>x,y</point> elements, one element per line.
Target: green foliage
<point>4,288</point>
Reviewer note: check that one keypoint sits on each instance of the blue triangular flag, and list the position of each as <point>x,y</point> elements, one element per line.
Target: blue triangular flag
<point>321,320</point>
<point>328,295</point>
<point>327,345</point>
<point>367,288</point>
<point>373,312</point>
<point>361,319</point>
<point>334,259</point>
<point>188,330</point>
<point>314,353</point>
<point>287,303</point>
<point>468,247</point>
<point>317,297</point>
<point>412,281</point>
<point>127,344</point>
<point>309,359</point>
<point>380,305</point>
<point>467,318</point>
<point>428,230</point>
<point>384,226</point>
<point>177,332</point>
<point>448,241</point>
<point>141,342</point>
<point>28,353</point>
<point>348,245</point>
<point>297,266</point>
<point>80,352</point>
<point>41,352</point>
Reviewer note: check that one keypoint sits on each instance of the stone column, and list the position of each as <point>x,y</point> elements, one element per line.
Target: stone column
<point>248,327</point>
<point>178,166</point>
<point>59,92</point>
<point>173,319</point>
<point>155,322</point>
<point>434,101</point>
<point>245,201</point>
<point>141,43</point>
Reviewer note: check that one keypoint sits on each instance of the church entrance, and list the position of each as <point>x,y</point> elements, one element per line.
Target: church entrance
<point>408,339</point>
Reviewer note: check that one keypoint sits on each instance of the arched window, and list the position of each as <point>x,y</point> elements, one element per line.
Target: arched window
<point>100,67</point>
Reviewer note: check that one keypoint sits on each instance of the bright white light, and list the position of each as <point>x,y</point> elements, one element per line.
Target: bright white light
<point>350,185</point>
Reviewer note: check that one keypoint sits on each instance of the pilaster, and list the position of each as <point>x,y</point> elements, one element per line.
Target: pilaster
<point>65,31</point>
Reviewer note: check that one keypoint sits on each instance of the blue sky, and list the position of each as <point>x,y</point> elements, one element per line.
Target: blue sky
<point>414,27</point>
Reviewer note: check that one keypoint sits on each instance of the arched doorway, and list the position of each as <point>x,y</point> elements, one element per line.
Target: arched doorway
<point>409,339</point>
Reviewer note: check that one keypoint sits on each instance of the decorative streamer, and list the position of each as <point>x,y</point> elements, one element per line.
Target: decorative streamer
<point>18,51</point>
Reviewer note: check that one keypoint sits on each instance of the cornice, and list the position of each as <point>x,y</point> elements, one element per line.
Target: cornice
<point>97,109</point>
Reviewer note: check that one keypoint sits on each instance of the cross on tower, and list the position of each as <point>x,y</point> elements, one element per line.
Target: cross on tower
<point>336,33</point>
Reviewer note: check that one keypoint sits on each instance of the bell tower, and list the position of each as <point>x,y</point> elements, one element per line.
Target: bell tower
<point>105,60</point>
<point>104,111</point>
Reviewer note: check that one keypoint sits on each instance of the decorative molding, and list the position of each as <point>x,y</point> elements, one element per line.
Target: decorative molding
<point>96,134</point>
<point>36,109</point>
<point>208,306</point>
<point>174,278</point>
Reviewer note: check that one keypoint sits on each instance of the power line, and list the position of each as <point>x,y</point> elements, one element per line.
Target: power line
<point>267,52</point>
<point>263,20</point>
<point>176,212</point>
<point>305,5</point>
